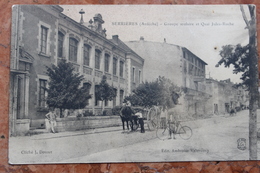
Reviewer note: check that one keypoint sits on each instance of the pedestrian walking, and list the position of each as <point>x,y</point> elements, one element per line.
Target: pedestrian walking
<point>51,116</point>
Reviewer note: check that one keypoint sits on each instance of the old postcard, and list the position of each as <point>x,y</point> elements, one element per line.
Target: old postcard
<point>132,83</point>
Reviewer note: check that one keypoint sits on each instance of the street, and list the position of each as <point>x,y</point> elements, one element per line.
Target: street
<point>213,139</point>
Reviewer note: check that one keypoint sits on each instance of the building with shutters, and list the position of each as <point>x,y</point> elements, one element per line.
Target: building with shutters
<point>201,96</point>
<point>181,66</point>
<point>42,35</point>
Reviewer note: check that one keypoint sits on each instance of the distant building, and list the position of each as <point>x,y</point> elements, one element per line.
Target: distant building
<point>43,35</point>
<point>225,96</point>
<point>201,96</point>
<point>242,97</point>
<point>181,66</point>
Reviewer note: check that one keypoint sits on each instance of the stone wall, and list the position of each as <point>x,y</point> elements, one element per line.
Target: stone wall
<point>22,127</point>
<point>82,123</point>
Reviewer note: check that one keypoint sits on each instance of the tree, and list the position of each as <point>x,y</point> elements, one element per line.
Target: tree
<point>64,91</point>
<point>245,60</point>
<point>104,92</point>
<point>159,92</point>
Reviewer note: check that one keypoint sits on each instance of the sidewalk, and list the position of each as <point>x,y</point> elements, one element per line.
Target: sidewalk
<point>66,145</point>
<point>194,124</point>
<point>50,135</point>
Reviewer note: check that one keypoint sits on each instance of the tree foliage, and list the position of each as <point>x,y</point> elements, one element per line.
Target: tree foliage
<point>64,91</point>
<point>245,61</point>
<point>159,92</point>
<point>238,57</point>
<point>104,92</point>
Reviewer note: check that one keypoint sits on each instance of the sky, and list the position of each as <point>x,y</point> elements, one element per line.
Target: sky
<point>201,29</point>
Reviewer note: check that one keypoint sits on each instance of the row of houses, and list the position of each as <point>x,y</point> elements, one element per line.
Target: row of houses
<point>43,35</point>
<point>201,96</point>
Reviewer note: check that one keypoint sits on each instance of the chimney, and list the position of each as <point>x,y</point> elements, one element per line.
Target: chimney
<point>115,38</point>
<point>142,38</point>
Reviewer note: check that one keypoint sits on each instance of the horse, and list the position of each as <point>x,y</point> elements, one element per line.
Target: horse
<point>126,116</point>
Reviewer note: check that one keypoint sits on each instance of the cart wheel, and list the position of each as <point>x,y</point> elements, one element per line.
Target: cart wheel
<point>151,125</point>
<point>135,126</point>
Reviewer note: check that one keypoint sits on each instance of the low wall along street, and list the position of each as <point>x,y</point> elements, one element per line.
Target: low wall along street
<point>82,123</point>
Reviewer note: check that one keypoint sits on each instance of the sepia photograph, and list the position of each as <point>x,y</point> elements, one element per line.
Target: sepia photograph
<point>133,83</point>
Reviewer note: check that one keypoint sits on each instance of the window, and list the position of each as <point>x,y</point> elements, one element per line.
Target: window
<point>196,86</point>
<point>121,70</point>
<point>96,95</point>
<point>140,76</point>
<point>87,86</point>
<point>121,96</point>
<point>60,44</point>
<point>114,66</point>
<point>114,99</point>
<point>185,67</point>
<point>42,93</point>
<point>190,59</point>
<point>44,33</point>
<point>106,102</point>
<point>190,69</point>
<point>133,74</point>
<point>73,49</point>
<point>106,63</point>
<point>184,55</point>
<point>97,59</point>
<point>86,55</point>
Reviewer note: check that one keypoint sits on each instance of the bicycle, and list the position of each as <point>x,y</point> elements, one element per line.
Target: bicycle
<point>164,131</point>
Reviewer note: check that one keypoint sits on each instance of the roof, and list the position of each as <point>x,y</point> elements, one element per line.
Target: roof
<point>155,50</point>
<point>98,16</point>
<point>184,48</point>
<point>123,46</point>
<point>159,46</point>
<point>159,58</point>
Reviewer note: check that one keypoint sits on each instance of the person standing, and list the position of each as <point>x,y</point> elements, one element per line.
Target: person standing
<point>173,126</point>
<point>51,116</point>
<point>139,114</point>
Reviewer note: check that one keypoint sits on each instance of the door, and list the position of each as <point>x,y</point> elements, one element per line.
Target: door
<point>19,101</point>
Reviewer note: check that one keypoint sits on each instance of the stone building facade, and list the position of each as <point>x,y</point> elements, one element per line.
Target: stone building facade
<point>43,35</point>
<point>181,66</point>
<point>225,96</point>
<point>201,96</point>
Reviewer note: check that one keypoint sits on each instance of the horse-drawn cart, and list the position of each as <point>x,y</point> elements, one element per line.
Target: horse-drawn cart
<point>153,117</point>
